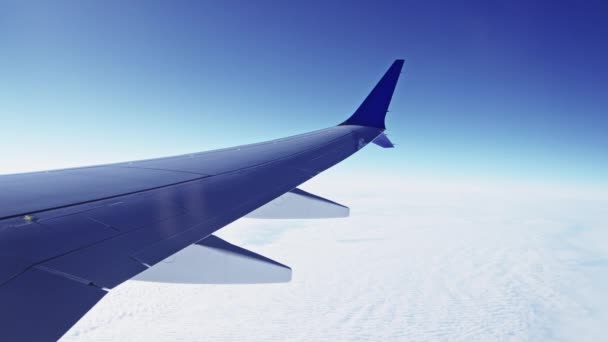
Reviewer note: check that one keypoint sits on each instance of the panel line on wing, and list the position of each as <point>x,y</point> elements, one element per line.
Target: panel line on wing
<point>159,169</point>
<point>65,275</point>
<point>103,198</point>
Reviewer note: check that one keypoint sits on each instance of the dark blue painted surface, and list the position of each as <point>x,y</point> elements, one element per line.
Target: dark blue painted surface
<point>39,241</point>
<point>135,212</point>
<point>28,193</point>
<point>373,110</point>
<point>39,306</point>
<point>96,227</point>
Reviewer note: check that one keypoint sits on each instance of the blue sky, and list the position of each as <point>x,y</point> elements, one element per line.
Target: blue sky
<point>493,90</point>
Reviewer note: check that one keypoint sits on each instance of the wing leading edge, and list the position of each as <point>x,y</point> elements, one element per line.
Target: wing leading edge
<point>69,236</point>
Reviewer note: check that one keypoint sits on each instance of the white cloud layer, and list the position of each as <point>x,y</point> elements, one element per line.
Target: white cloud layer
<point>416,261</point>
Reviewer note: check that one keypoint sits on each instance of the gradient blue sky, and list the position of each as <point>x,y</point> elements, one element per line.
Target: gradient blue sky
<point>512,90</point>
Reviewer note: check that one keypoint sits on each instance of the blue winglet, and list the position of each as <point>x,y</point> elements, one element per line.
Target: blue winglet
<point>373,110</point>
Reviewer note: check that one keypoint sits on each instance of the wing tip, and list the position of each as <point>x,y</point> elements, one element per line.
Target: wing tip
<point>373,109</point>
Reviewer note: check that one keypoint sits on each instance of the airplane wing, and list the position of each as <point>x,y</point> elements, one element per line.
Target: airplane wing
<point>68,237</point>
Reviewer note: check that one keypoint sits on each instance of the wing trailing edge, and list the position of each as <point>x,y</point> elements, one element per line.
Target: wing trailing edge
<point>215,261</point>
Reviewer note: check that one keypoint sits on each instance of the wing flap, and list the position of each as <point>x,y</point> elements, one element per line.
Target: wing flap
<point>216,261</point>
<point>299,204</point>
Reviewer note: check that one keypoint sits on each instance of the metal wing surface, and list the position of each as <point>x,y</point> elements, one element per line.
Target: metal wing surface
<point>67,237</point>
